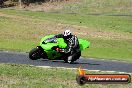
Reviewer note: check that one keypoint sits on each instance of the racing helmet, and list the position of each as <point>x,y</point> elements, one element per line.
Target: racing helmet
<point>67,33</point>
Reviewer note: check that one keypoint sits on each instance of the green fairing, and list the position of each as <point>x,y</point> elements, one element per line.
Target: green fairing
<point>48,46</point>
<point>52,54</point>
<point>61,43</point>
<point>44,38</point>
<point>83,44</point>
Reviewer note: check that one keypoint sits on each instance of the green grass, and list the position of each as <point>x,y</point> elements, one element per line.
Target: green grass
<point>110,49</point>
<point>22,31</point>
<point>25,76</point>
<point>119,24</point>
<point>104,7</point>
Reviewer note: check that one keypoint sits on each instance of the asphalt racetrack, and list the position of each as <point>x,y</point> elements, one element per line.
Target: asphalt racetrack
<point>90,64</point>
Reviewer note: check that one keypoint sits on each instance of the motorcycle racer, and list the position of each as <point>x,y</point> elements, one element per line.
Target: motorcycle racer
<point>65,46</point>
<point>72,44</point>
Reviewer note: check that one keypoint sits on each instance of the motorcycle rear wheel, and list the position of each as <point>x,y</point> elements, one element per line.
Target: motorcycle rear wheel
<point>70,59</point>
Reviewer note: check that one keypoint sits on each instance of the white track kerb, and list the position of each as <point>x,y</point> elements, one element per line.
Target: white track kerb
<point>84,69</point>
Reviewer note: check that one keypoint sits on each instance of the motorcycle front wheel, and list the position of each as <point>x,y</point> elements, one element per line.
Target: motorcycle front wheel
<point>34,54</point>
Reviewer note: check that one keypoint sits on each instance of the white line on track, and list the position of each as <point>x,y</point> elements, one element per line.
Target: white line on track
<point>84,69</point>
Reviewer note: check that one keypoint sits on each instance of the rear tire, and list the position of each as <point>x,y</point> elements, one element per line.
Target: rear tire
<point>74,57</point>
<point>66,60</point>
<point>34,54</point>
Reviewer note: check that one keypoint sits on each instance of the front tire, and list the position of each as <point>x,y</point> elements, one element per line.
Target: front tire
<point>34,54</point>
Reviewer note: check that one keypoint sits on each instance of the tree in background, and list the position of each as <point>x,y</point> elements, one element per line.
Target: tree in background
<point>10,3</point>
<point>1,3</point>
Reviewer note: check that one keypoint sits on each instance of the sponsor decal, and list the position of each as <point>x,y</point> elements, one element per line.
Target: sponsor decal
<point>83,78</point>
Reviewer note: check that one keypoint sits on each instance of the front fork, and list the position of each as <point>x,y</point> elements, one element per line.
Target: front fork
<point>42,52</point>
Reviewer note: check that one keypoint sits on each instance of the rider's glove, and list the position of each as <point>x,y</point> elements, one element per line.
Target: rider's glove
<point>57,49</point>
<point>60,50</point>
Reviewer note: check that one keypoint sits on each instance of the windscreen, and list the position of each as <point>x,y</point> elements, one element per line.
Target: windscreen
<point>51,40</point>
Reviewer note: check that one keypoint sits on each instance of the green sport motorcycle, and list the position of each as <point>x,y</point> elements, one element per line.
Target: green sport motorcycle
<point>51,48</point>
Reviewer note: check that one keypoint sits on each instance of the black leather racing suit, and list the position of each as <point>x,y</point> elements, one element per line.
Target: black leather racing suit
<point>72,44</point>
